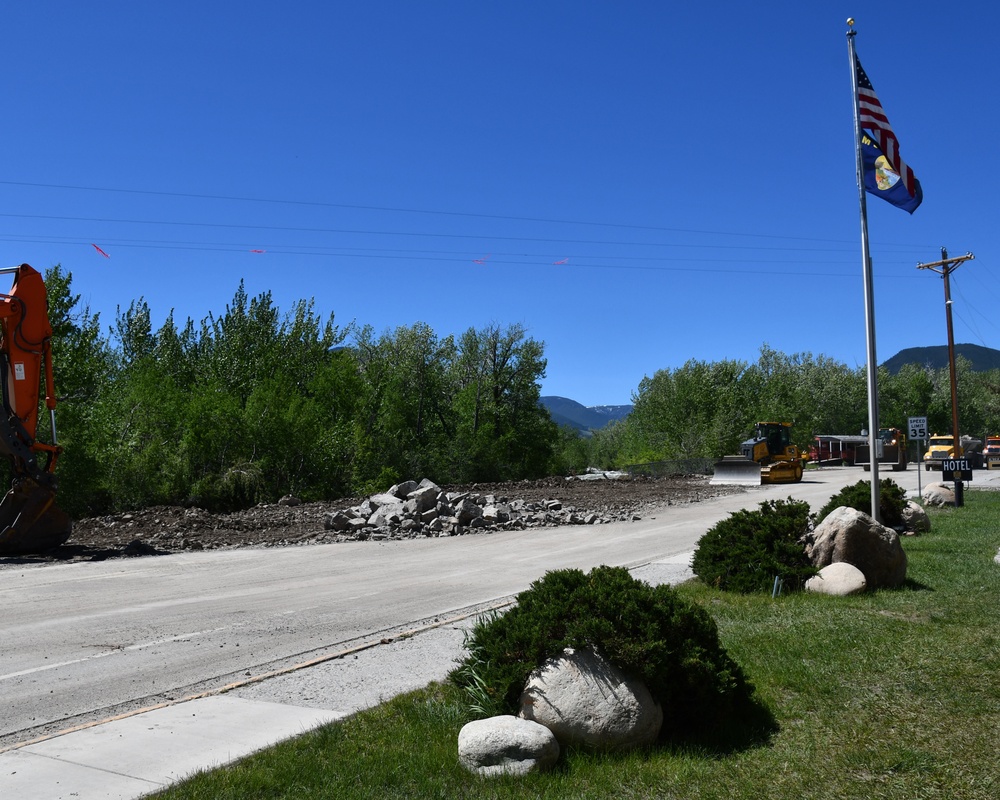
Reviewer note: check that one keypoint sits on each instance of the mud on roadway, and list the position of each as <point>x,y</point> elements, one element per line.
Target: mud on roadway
<point>160,530</point>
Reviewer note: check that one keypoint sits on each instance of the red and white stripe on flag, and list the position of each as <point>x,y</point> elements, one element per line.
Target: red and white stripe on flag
<point>873,119</point>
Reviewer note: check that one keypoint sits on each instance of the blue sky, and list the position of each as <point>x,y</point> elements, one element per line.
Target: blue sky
<point>638,184</point>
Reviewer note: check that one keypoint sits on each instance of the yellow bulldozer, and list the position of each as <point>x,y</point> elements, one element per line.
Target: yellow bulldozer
<point>767,457</point>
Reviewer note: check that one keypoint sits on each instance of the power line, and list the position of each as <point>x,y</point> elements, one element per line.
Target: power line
<point>974,310</point>
<point>369,232</point>
<point>436,212</point>
<point>576,265</point>
<point>561,254</point>
<point>209,246</point>
<point>451,256</point>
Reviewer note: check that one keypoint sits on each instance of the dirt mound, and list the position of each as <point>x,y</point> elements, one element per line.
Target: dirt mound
<point>171,529</point>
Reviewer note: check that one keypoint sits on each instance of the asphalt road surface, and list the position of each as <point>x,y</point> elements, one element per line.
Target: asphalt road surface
<point>88,641</point>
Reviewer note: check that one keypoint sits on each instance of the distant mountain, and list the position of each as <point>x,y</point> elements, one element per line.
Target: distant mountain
<point>982,359</point>
<point>585,419</point>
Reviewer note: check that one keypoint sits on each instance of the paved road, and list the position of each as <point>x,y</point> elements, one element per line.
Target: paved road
<point>90,640</point>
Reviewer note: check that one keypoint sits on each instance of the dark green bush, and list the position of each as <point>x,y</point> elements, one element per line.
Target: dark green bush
<point>240,487</point>
<point>745,552</point>
<point>650,633</point>
<point>891,500</point>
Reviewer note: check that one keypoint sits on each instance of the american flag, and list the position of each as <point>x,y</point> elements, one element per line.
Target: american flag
<point>873,119</point>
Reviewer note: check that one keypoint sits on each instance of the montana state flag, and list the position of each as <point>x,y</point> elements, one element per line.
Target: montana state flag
<point>883,181</point>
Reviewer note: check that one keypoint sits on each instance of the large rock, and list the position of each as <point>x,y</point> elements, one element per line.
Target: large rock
<point>915,518</point>
<point>386,514</point>
<point>383,499</point>
<point>939,494</point>
<point>338,520</point>
<point>586,701</point>
<point>839,579</point>
<point>401,490</point>
<point>853,536</point>
<point>506,744</point>
<point>424,497</point>
<point>467,510</point>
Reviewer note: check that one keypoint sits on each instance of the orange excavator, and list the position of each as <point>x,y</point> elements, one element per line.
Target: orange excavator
<point>30,520</point>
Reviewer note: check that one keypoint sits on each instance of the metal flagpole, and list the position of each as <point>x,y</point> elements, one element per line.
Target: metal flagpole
<point>866,266</point>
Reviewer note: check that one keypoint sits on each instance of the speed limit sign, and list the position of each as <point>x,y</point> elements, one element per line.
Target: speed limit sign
<point>918,427</point>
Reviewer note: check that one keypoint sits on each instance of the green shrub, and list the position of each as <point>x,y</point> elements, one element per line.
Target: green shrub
<point>745,552</point>
<point>891,501</point>
<point>240,487</point>
<point>650,633</point>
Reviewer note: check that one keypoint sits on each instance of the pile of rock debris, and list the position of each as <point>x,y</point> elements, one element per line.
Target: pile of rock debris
<point>411,510</point>
<point>431,512</point>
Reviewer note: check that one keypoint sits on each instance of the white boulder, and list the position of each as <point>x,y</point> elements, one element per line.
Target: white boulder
<point>586,701</point>
<point>915,518</point>
<point>506,745</point>
<point>938,494</point>
<point>839,579</point>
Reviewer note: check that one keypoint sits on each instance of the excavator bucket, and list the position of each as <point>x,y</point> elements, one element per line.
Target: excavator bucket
<point>30,521</point>
<point>736,470</point>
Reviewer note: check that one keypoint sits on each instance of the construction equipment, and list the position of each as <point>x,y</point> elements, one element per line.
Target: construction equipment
<point>767,457</point>
<point>890,449</point>
<point>941,447</point>
<point>30,521</point>
<point>991,452</point>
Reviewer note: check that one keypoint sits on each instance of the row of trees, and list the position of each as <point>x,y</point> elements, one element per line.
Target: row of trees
<point>254,404</point>
<point>704,410</point>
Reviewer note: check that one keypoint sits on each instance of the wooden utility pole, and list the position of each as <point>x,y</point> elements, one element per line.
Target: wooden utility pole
<point>944,268</point>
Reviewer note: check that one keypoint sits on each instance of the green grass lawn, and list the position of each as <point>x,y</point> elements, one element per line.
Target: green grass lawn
<point>894,694</point>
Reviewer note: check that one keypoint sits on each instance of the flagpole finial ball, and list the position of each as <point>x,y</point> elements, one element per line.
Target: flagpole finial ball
<point>850,21</point>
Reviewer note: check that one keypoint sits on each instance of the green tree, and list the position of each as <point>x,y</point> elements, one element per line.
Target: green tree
<point>141,418</point>
<point>141,413</point>
<point>406,421</point>
<point>607,449</point>
<point>572,453</point>
<point>243,345</point>
<point>133,331</point>
<point>700,410</point>
<point>831,398</point>
<point>503,432</point>
<point>83,365</point>
<point>989,398</point>
<point>244,409</point>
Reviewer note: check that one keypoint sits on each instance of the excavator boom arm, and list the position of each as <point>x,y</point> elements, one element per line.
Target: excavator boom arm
<point>29,519</point>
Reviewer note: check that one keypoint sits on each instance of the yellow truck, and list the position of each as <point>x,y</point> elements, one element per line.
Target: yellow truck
<point>941,446</point>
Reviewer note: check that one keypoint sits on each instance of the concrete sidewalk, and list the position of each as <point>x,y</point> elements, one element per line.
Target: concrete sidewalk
<point>140,754</point>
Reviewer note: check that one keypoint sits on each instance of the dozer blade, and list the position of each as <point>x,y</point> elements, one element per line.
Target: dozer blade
<point>30,521</point>
<point>736,470</point>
